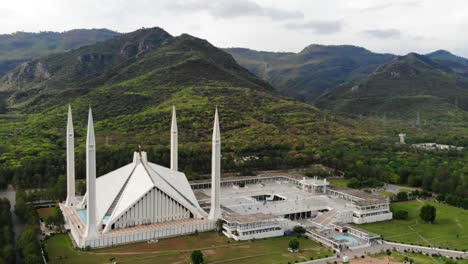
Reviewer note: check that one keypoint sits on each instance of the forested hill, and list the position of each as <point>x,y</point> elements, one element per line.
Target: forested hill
<point>133,80</point>
<point>20,47</point>
<point>313,71</point>
<point>150,57</point>
<point>401,88</point>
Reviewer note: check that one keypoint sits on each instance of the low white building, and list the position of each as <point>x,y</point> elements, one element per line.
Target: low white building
<point>256,226</point>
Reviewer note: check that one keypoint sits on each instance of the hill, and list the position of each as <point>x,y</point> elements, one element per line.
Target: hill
<point>131,82</point>
<point>313,71</point>
<point>403,87</point>
<point>21,47</point>
<point>456,63</point>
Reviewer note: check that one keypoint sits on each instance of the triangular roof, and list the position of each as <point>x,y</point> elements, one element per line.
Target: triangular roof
<point>119,190</point>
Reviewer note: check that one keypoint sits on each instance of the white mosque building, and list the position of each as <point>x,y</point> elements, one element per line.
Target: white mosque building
<point>143,201</point>
<point>139,201</point>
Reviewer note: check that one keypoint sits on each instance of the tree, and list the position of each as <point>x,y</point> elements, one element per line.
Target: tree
<point>299,230</point>
<point>428,213</point>
<point>400,214</point>
<point>294,244</point>
<point>402,196</point>
<point>197,257</point>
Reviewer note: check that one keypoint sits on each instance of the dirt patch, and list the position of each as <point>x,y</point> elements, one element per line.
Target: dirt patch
<point>369,260</point>
<point>209,252</point>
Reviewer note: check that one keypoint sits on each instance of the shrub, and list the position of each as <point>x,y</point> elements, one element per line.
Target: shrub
<point>400,214</point>
<point>197,257</point>
<point>294,244</point>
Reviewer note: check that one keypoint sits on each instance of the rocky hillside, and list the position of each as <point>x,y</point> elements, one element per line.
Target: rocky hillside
<point>132,81</point>
<point>21,47</point>
<point>407,85</point>
<point>313,71</point>
<point>150,58</point>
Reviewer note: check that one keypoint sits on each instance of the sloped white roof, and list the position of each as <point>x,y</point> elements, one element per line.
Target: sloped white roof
<point>176,180</point>
<point>108,186</point>
<point>138,185</point>
<point>125,186</point>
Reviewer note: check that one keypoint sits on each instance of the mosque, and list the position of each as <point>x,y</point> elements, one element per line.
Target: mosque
<point>139,201</point>
<point>143,201</point>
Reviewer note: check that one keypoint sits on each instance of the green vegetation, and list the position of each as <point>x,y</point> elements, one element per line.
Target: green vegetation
<point>450,230</point>
<point>428,213</point>
<point>417,258</point>
<point>313,71</point>
<point>51,215</point>
<point>400,214</point>
<point>214,247</point>
<point>28,243</point>
<point>294,244</point>
<point>403,88</point>
<point>340,182</point>
<point>402,196</point>
<point>197,257</point>
<point>299,230</point>
<point>7,248</point>
<point>20,47</point>
<point>132,88</point>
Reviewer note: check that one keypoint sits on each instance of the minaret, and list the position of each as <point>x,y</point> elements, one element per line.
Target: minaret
<point>70,161</point>
<point>91,229</point>
<point>215,212</point>
<point>174,142</point>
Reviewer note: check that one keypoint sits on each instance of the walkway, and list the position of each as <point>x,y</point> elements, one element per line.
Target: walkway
<point>18,226</point>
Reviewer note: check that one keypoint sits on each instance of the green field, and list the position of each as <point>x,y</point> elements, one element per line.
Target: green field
<point>339,182</point>
<point>418,258</point>
<point>44,213</point>
<point>450,229</point>
<point>215,247</point>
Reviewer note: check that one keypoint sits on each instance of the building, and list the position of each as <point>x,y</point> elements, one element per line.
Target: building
<point>139,201</point>
<point>142,201</point>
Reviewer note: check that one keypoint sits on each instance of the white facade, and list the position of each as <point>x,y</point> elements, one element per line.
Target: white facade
<point>174,142</point>
<point>71,199</point>
<point>91,228</point>
<point>371,213</point>
<point>138,201</point>
<point>254,229</point>
<point>215,211</point>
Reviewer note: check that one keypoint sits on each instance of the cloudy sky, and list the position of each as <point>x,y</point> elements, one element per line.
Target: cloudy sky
<point>393,26</point>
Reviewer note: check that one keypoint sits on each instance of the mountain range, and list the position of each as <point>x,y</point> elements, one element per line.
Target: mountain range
<point>353,80</point>
<point>133,80</point>
<point>21,47</point>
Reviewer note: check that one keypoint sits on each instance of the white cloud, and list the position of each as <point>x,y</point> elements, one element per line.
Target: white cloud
<point>383,33</point>
<point>233,9</point>
<point>320,27</point>
<point>394,26</point>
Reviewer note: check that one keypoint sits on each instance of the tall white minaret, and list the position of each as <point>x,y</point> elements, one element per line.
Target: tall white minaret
<point>215,212</point>
<point>70,161</point>
<point>174,158</point>
<point>91,228</point>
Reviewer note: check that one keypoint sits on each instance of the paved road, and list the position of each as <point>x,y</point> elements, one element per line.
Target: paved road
<point>379,248</point>
<point>10,194</point>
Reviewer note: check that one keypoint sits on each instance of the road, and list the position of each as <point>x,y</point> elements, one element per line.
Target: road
<point>10,194</point>
<point>383,247</point>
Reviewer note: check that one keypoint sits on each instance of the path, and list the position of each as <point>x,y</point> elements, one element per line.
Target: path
<point>10,194</point>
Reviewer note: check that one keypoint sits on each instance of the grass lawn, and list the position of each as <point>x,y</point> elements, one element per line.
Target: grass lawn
<point>339,182</point>
<point>418,258</point>
<point>46,212</point>
<point>450,229</point>
<point>215,247</point>
<point>386,193</point>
